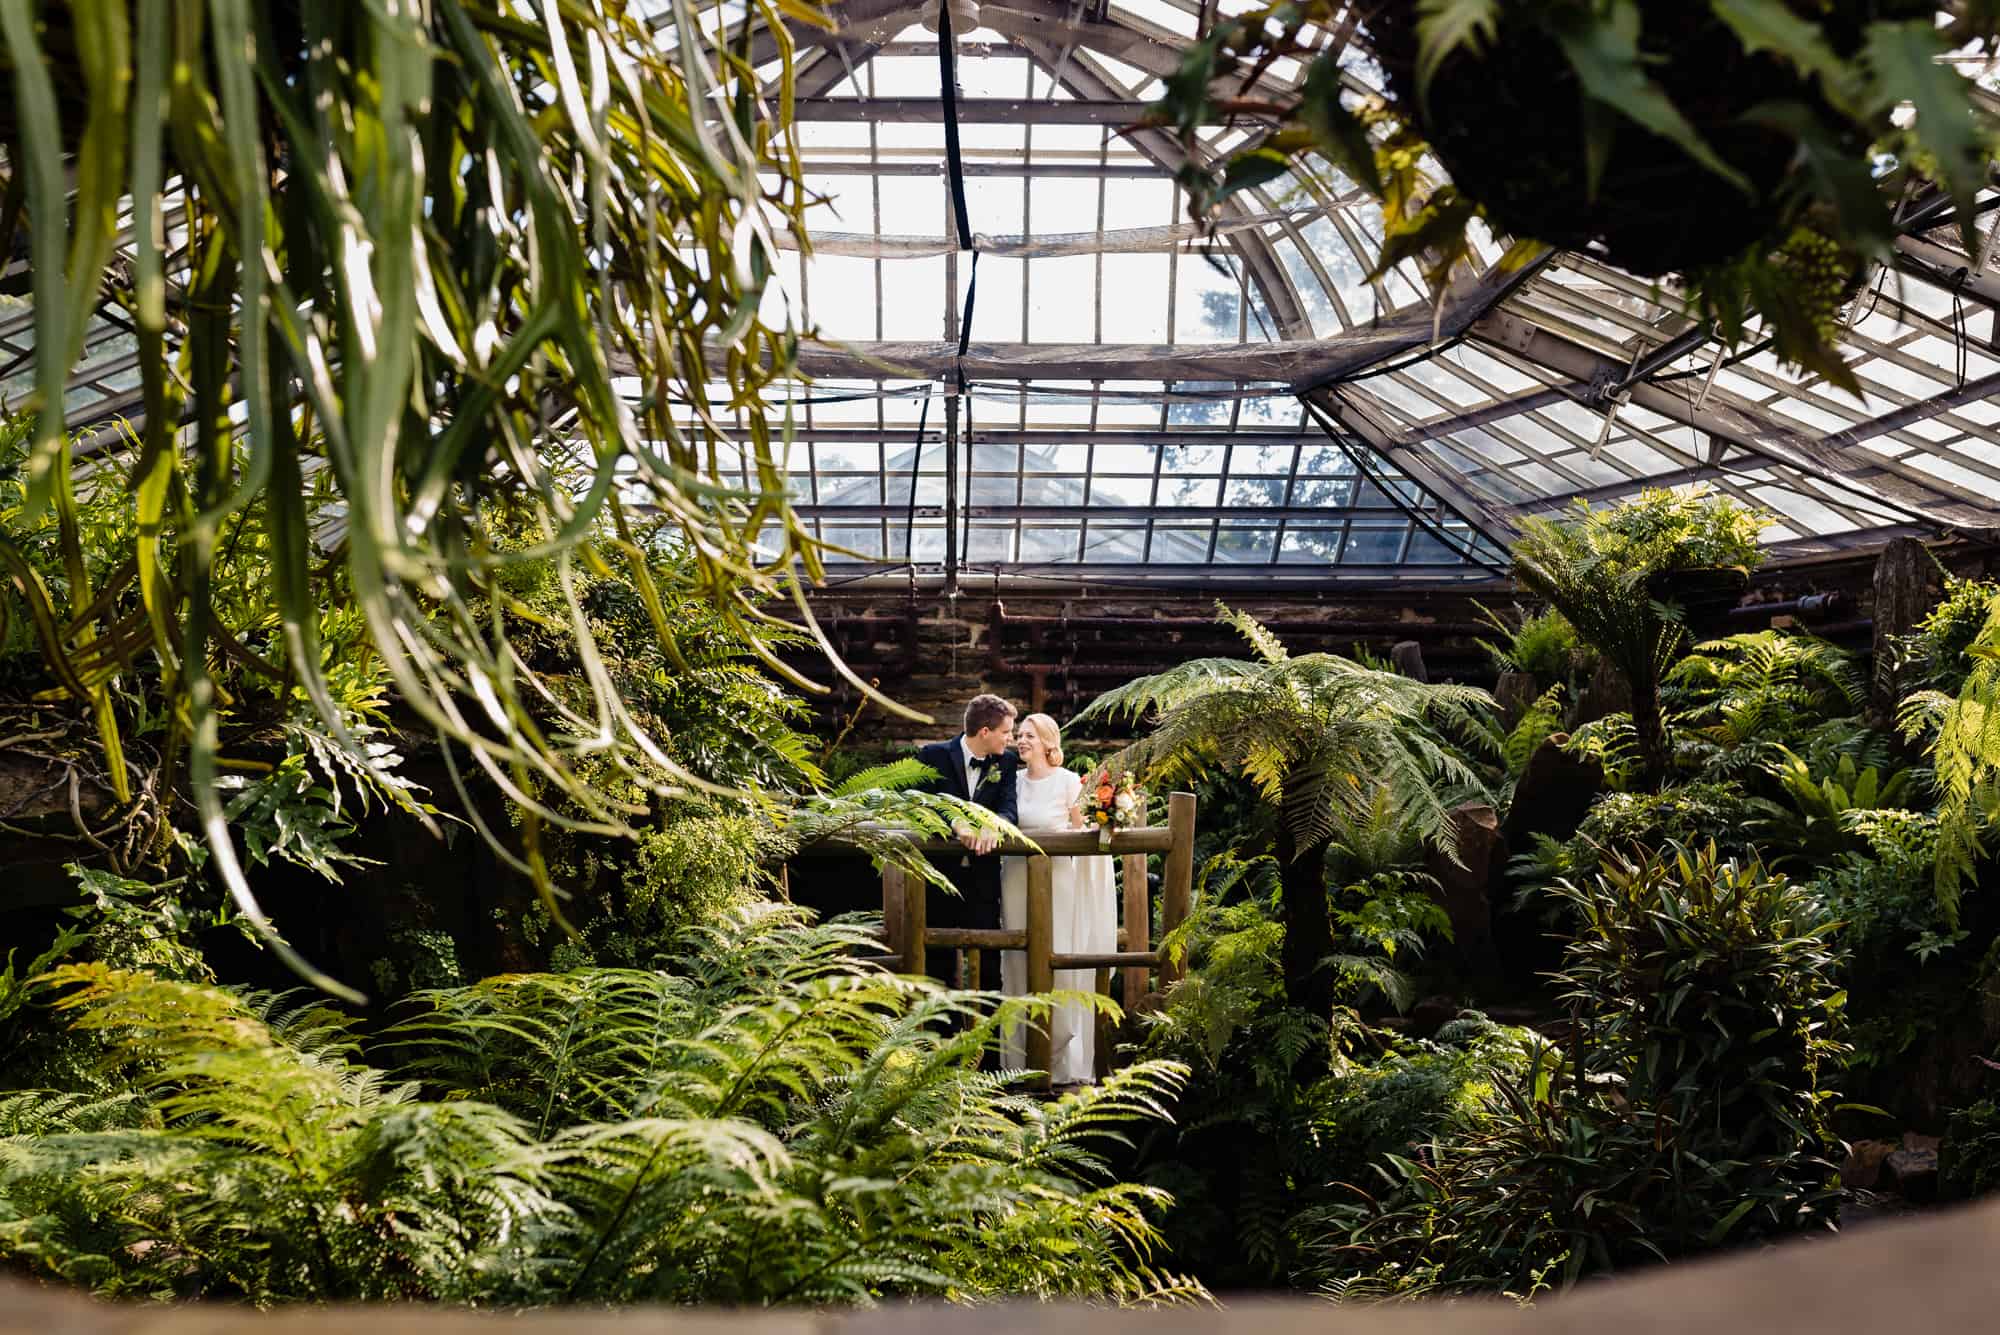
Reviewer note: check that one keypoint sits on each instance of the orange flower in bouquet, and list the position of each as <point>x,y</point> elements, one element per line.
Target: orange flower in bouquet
<point>1112,803</point>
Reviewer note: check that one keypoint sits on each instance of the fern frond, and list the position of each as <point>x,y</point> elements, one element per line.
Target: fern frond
<point>894,777</point>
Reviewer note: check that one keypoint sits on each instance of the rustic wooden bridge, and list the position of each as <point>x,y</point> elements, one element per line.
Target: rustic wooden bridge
<point>907,933</point>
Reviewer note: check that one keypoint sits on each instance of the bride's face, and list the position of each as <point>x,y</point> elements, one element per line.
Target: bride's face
<point>1028,742</point>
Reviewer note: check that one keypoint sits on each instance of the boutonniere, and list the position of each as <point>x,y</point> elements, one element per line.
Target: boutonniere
<point>989,777</point>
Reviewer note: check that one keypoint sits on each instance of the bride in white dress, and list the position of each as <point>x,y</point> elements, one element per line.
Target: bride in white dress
<point>1086,911</point>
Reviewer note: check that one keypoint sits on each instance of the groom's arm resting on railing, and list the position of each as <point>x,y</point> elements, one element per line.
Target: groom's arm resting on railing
<point>937,756</point>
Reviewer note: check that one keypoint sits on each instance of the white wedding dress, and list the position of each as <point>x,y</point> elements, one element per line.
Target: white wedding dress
<point>1086,922</point>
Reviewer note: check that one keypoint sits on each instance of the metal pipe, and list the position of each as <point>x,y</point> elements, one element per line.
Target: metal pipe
<point>1325,629</point>
<point>1811,605</point>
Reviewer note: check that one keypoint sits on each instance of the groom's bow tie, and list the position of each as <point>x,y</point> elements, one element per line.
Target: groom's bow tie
<point>983,765</point>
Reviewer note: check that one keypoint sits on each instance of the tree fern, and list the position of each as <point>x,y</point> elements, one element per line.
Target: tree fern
<point>1320,737</point>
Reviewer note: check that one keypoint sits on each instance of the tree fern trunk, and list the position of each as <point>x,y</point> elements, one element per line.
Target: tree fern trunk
<point>1309,984</point>
<point>1649,731</point>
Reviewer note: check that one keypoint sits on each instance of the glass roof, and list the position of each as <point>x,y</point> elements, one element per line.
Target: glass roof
<point>1140,398</point>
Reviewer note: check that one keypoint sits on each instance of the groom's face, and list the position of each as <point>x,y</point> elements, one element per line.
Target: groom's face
<point>991,741</point>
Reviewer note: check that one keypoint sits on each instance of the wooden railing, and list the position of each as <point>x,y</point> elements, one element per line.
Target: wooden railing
<point>905,915</point>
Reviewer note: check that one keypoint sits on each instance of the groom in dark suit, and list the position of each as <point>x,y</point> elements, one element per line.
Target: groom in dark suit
<point>977,766</point>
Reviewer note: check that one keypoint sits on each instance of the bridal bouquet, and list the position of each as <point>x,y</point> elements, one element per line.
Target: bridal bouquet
<point>1110,803</point>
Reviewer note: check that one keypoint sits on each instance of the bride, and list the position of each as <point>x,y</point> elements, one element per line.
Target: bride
<point>1086,920</point>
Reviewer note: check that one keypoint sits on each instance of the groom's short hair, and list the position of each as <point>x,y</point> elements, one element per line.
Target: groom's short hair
<point>983,711</point>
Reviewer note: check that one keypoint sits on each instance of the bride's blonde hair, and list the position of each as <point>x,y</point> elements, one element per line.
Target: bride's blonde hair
<point>1051,735</point>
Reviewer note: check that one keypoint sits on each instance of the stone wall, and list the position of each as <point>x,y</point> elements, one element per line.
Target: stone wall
<point>1055,650</point>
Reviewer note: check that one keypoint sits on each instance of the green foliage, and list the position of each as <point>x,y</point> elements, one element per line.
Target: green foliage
<point>301,812</point>
<point>128,924</point>
<point>1689,1116</point>
<point>1820,820</point>
<point>1964,746</point>
<point>1828,79</point>
<point>491,221</point>
<point>1938,655</point>
<point>1307,731</point>
<point>1263,1126</point>
<point>700,867</point>
<point>1748,693</point>
<point>1325,742</point>
<point>1603,568</point>
<point>1625,825</point>
<point>1969,1158</point>
<point>1542,644</point>
<point>1230,946</point>
<point>895,776</point>
<point>767,1122</point>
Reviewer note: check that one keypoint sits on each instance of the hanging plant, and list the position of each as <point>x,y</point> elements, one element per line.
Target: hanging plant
<point>419,254</point>
<point>1747,148</point>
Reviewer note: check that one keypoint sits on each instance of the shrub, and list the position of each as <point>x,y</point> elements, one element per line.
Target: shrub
<point>1938,654</point>
<point>1627,824</point>
<point>1969,1158</point>
<point>693,871</point>
<point>768,1122</point>
<point>1744,695</point>
<point>1264,1124</point>
<point>1542,644</point>
<point>1687,1116</point>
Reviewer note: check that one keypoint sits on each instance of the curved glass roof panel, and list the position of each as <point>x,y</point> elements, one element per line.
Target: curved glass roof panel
<point>1121,394</point>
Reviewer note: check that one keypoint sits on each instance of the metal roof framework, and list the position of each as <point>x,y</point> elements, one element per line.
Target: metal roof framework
<point>1143,399</point>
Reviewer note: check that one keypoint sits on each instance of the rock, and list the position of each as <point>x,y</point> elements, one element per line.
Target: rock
<point>1555,792</point>
<point>1428,1016</point>
<point>1607,693</point>
<point>1462,884</point>
<point>1407,657</point>
<point>1905,579</point>
<point>1514,692</point>
<point>1911,1174</point>
<point>1863,1165</point>
<point>1914,1140</point>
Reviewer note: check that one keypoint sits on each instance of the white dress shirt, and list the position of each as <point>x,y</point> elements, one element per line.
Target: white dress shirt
<point>966,760</point>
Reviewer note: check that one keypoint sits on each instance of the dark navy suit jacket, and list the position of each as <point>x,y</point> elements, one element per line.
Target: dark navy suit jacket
<point>977,903</point>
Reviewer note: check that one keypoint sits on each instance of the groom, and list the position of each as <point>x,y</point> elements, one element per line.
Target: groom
<point>977,766</point>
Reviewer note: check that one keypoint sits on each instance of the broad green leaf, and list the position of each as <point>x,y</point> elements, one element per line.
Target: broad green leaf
<point>1729,1221</point>
<point>41,164</point>
<point>1904,60</point>
<point>1443,26</point>
<point>1185,99</point>
<point>1436,234</point>
<point>1603,49</point>
<point>1338,131</point>
<point>1519,255</point>
<point>1836,174</point>
<point>1770,25</point>
<point>1246,170</point>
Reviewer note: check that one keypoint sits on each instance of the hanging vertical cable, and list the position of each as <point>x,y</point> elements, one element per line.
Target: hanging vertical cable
<point>962,225</point>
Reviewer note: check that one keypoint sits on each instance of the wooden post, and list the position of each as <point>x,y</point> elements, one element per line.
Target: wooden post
<point>894,925</point>
<point>1177,893</point>
<point>1138,925</point>
<point>915,914</point>
<point>1041,944</point>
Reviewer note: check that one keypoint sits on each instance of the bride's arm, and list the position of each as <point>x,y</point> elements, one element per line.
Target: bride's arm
<point>1075,800</point>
